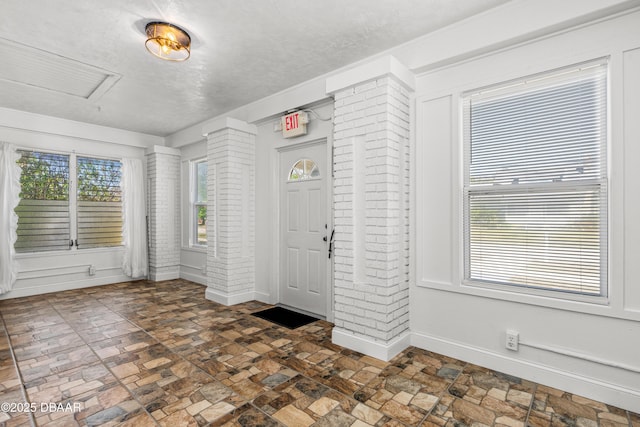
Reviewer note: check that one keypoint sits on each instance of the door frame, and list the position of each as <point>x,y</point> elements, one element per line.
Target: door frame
<point>328,212</point>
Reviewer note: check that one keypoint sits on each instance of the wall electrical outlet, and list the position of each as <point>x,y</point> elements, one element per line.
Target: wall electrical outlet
<point>512,340</point>
<point>92,270</point>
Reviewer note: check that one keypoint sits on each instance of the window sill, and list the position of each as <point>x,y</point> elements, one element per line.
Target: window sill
<point>525,292</point>
<point>197,249</point>
<point>74,252</point>
<point>599,306</point>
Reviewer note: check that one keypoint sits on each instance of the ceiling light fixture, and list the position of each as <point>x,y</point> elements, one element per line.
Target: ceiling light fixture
<point>168,41</point>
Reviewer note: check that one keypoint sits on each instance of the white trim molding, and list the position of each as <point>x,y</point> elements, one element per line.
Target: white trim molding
<point>50,126</point>
<point>262,297</point>
<point>572,382</point>
<point>200,279</point>
<point>68,284</point>
<point>220,298</point>
<point>159,149</point>
<point>383,351</point>
<point>228,123</point>
<point>158,274</point>
<point>385,66</point>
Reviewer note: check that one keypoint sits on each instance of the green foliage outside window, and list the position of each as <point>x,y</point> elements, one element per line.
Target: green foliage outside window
<point>202,215</point>
<point>99,180</point>
<point>44,176</point>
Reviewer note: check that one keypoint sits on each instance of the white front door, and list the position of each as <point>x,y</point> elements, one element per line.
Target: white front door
<point>303,228</point>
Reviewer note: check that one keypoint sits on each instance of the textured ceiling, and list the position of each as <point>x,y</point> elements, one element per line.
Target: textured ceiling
<point>242,51</point>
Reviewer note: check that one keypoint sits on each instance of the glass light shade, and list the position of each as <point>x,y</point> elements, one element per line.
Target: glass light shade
<point>167,41</point>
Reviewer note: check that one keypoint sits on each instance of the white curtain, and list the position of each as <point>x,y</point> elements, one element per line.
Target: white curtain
<point>134,263</point>
<point>9,199</point>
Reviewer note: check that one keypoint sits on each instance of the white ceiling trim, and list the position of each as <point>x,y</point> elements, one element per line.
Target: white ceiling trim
<point>42,124</point>
<point>445,46</point>
<point>387,65</point>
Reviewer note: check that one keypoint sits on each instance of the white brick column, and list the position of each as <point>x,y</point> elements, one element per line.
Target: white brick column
<point>230,211</point>
<point>371,207</point>
<point>163,179</point>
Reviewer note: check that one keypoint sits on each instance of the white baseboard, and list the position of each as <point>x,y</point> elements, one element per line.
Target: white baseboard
<point>262,297</point>
<point>67,285</point>
<point>196,278</point>
<point>379,350</point>
<point>584,386</point>
<point>224,299</point>
<point>158,274</point>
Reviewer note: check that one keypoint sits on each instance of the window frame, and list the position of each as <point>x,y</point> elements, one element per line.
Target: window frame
<point>602,185</point>
<point>304,176</point>
<point>77,202</point>
<point>73,203</point>
<point>70,168</point>
<point>195,203</point>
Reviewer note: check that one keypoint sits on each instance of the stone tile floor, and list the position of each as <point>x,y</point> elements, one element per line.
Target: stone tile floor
<point>158,353</point>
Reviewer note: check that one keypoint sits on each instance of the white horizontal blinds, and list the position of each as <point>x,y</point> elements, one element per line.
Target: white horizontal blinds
<point>43,212</point>
<point>99,200</point>
<point>535,184</point>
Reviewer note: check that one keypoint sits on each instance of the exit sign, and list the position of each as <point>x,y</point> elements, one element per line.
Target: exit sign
<point>294,124</point>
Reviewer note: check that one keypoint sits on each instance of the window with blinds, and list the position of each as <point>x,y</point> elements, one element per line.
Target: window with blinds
<point>535,184</point>
<point>43,211</point>
<point>99,203</point>
<point>68,201</point>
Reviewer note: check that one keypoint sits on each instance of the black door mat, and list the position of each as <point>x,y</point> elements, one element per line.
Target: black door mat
<point>284,317</point>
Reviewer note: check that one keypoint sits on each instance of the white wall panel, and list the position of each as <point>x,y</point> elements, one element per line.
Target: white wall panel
<point>435,173</point>
<point>631,70</point>
<point>585,347</point>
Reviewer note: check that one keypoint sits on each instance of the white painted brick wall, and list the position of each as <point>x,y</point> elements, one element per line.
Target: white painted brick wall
<point>372,232</point>
<point>163,174</point>
<point>231,211</point>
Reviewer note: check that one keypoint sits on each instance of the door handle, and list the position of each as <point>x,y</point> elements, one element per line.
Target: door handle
<point>331,242</point>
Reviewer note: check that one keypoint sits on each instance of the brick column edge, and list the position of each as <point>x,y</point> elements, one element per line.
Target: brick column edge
<point>230,211</point>
<point>371,194</point>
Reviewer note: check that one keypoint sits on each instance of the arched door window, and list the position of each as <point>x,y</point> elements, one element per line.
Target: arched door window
<point>304,169</point>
